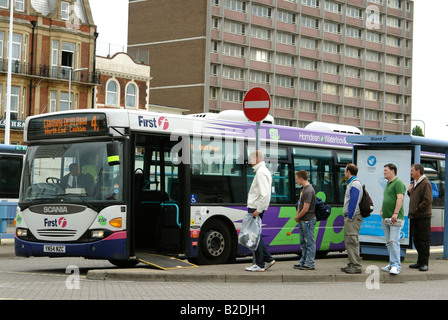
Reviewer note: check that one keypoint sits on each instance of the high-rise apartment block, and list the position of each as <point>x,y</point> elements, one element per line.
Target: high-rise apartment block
<point>334,61</point>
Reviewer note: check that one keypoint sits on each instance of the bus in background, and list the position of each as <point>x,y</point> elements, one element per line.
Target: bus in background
<point>434,165</point>
<point>11,161</point>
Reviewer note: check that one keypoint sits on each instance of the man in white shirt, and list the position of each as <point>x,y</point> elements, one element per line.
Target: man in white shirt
<point>258,201</point>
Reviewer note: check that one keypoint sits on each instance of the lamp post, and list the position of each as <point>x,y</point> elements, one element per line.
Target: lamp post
<point>8,82</point>
<point>70,85</point>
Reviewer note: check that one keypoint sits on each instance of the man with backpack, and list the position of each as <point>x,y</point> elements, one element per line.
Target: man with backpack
<point>352,219</point>
<point>306,219</point>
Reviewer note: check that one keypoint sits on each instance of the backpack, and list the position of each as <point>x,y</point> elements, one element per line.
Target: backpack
<point>366,203</point>
<point>322,209</point>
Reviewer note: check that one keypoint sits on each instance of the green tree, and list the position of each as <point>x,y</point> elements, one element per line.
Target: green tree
<point>417,131</point>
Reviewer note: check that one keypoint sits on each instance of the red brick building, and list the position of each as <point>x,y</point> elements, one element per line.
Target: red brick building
<point>53,49</point>
<point>123,83</point>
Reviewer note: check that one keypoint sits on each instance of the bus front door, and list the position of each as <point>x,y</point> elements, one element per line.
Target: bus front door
<point>159,222</point>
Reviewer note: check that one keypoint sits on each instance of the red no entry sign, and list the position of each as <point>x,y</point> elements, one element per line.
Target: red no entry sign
<point>256,104</point>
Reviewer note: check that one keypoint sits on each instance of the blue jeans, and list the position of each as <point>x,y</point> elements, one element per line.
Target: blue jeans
<point>392,235</point>
<point>261,254</point>
<point>307,243</point>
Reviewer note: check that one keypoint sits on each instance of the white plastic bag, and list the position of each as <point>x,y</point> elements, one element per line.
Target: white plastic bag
<point>250,232</point>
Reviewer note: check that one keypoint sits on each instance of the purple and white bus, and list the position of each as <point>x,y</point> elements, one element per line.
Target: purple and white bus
<point>167,184</point>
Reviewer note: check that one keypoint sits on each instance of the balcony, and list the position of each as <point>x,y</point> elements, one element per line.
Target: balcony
<point>44,71</point>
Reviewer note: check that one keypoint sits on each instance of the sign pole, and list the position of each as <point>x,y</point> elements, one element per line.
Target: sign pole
<point>257,136</point>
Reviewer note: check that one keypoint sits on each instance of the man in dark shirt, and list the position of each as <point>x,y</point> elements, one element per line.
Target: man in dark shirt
<point>306,219</point>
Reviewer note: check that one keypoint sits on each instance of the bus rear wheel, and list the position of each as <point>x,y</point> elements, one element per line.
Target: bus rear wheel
<point>215,244</point>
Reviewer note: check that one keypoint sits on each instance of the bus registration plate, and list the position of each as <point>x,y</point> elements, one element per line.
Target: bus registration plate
<point>55,249</point>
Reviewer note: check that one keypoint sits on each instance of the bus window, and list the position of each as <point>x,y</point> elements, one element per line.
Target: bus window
<point>344,157</point>
<point>216,174</point>
<point>10,170</point>
<point>437,178</point>
<point>319,165</point>
<point>281,191</point>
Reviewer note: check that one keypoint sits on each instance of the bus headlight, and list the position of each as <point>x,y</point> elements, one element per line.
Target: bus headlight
<point>21,233</point>
<point>97,234</point>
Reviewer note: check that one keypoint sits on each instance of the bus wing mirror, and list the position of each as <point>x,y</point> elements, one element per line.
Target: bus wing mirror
<point>113,156</point>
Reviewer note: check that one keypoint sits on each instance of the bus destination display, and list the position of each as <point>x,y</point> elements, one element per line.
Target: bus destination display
<point>70,125</point>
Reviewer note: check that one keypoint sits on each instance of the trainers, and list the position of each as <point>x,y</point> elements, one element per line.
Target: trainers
<point>386,268</point>
<point>394,270</point>
<point>351,270</point>
<point>269,264</point>
<point>305,267</point>
<point>255,268</point>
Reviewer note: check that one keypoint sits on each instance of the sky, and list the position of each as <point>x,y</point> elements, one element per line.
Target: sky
<point>430,62</point>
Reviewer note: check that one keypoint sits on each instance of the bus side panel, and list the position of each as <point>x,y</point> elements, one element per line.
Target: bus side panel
<point>280,231</point>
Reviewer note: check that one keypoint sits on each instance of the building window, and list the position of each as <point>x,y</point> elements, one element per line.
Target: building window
<point>284,81</point>
<point>308,85</point>
<point>352,92</point>
<point>286,17</point>
<point>67,54</point>
<point>308,64</point>
<point>352,72</point>
<point>260,33</point>
<point>285,59</point>
<point>260,55</point>
<point>19,5</point>
<point>53,101</point>
<point>232,73</point>
<point>131,95</point>
<point>330,88</point>
<point>351,112</point>
<point>15,97</point>
<point>333,7</point>
<point>64,101</point>
<point>65,10</point>
<point>235,5</point>
<point>308,106</point>
<point>330,109</point>
<point>234,27</point>
<point>332,27</point>
<point>232,96</point>
<point>309,22</point>
<point>112,93</point>
<point>261,11</point>
<point>284,103</point>
<point>286,38</point>
<point>233,50</point>
<point>311,3</point>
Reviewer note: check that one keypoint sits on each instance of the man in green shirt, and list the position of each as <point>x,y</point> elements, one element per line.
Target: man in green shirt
<point>392,213</point>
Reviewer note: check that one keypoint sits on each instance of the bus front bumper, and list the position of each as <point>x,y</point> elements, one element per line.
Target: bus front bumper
<point>112,247</point>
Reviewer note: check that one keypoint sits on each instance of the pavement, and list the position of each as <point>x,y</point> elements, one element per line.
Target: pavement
<point>328,269</point>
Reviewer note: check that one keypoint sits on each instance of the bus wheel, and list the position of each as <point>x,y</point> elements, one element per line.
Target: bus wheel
<point>215,244</point>
<point>124,263</point>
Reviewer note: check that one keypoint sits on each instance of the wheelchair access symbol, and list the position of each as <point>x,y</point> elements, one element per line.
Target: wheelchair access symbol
<point>193,199</point>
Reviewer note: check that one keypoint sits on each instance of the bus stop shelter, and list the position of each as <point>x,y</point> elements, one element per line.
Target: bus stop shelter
<point>371,153</point>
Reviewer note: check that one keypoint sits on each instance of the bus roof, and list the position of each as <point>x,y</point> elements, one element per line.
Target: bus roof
<point>8,148</point>
<point>145,121</point>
